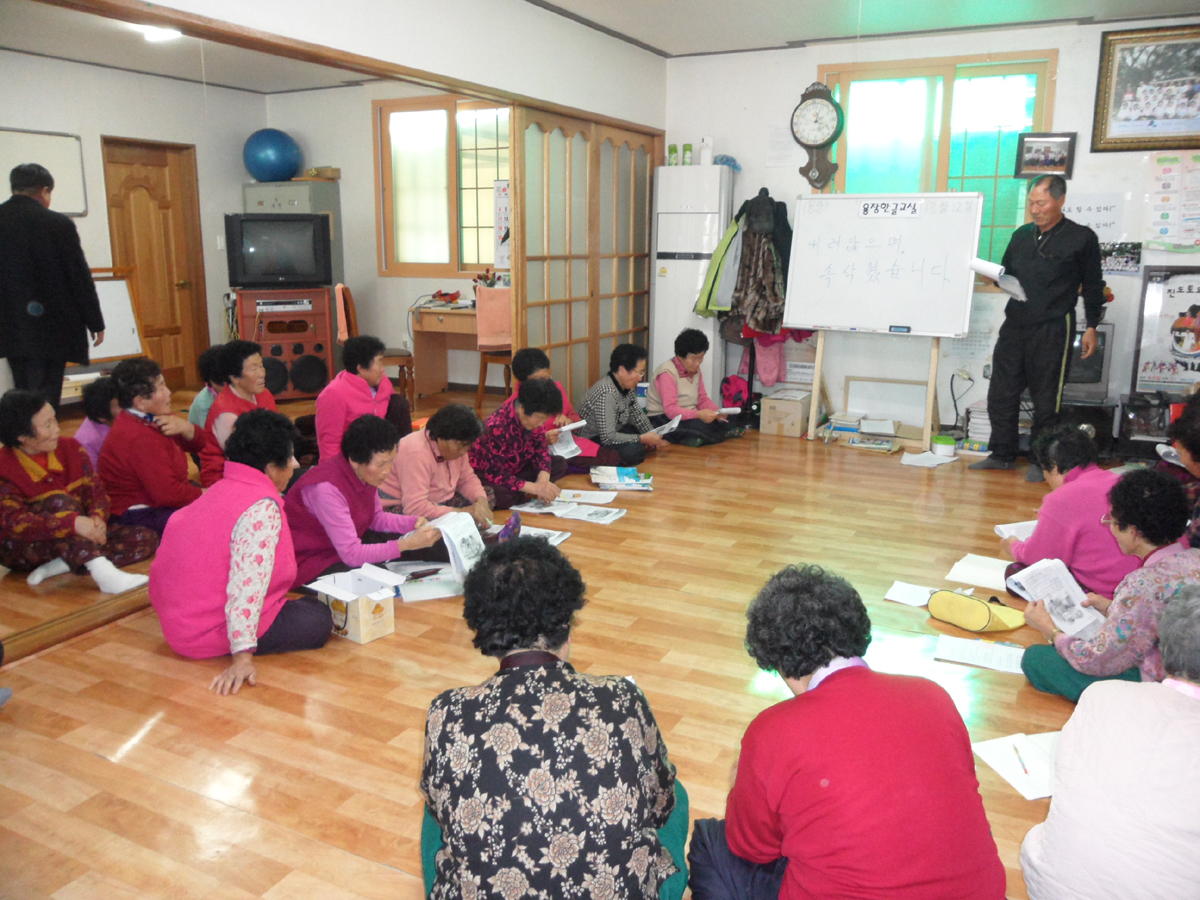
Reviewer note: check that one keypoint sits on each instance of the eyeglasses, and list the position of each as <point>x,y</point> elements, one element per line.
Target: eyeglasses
<point>1107,519</point>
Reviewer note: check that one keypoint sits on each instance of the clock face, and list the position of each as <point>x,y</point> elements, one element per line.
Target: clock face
<point>816,122</point>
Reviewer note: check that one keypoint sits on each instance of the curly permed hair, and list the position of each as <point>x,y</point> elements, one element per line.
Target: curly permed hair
<point>802,619</point>
<point>521,594</point>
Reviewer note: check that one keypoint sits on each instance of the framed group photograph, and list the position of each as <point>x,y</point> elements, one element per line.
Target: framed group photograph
<point>1045,154</point>
<point>1148,90</point>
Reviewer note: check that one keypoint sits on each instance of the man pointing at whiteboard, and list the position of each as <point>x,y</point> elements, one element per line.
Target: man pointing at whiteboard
<point>48,301</point>
<point>1052,257</point>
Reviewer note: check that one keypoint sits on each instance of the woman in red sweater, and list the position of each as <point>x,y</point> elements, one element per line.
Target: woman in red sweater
<point>143,461</point>
<point>861,786</point>
<point>245,389</point>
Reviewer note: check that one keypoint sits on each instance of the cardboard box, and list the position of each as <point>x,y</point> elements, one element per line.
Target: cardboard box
<point>363,602</point>
<point>785,413</point>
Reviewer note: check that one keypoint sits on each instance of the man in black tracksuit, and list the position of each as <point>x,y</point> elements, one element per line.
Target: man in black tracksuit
<point>1051,257</point>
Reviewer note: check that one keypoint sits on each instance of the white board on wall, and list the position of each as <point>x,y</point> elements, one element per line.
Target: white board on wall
<point>122,337</point>
<point>890,263</point>
<point>62,154</point>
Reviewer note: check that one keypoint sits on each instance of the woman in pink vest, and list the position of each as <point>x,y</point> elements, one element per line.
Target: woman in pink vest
<point>245,389</point>
<point>363,389</point>
<point>335,505</point>
<point>226,561</point>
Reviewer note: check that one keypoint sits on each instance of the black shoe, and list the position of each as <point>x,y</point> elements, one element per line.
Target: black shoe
<point>991,462</point>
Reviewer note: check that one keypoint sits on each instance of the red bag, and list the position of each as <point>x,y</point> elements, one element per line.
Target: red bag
<point>734,391</point>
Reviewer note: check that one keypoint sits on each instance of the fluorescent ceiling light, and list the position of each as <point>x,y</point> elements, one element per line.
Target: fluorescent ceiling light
<point>156,35</point>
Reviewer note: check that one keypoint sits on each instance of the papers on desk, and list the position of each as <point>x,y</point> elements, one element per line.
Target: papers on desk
<point>1026,761</point>
<point>908,594</point>
<point>588,496</point>
<point>926,460</point>
<point>981,570</point>
<point>983,654</point>
<point>1022,531</point>
<point>1050,581</point>
<point>994,271</point>
<point>662,430</point>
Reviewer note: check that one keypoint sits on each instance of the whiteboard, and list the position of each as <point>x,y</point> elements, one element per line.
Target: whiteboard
<point>121,336</point>
<point>62,154</point>
<point>891,263</point>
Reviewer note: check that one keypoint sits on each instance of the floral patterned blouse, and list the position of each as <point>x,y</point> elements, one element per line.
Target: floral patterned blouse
<point>548,784</point>
<point>251,564</point>
<point>507,449</point>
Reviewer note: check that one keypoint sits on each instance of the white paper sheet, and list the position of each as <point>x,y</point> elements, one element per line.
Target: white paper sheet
<point>926,460</point>
<point>462,540</point>
<point>984,654</point>
<point>598,514</point>
<point>669,427</point>
<point>729,410</point>
<point>435,587</point>
<point>878,426</point>
<point>565,446</point>
<point>1026,761</point>
<point>1050,581</point>
<point>554,508</point>
<point>573,426</point>
<point>995,271</point>
<point>1022,531</point>
<point>981,570</point>
<point>588,496</point>
<point>554,537</point>
<point>908,594</point>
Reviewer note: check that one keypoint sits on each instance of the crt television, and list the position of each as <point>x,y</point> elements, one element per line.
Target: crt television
<point>1087,379</point>
<point>278,250</point>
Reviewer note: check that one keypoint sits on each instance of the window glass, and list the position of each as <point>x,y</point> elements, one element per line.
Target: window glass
<point>483,158</point>
<point>420,185</point>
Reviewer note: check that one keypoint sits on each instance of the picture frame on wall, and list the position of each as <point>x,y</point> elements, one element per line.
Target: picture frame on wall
<point>1148,90</point>
<point>1045,153</point>
<point>1168,345</point>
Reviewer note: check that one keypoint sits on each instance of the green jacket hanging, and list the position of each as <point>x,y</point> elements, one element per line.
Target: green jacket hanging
<point>711,301</point>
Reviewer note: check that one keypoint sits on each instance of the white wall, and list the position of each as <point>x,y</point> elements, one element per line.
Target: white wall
<point>333,128</point>
<point>507,44</point>
<point>91,101</point>
<point>735,98</point>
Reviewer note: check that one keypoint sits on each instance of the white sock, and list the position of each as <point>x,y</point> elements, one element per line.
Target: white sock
<point>48,570</point>
<point>112,580</point>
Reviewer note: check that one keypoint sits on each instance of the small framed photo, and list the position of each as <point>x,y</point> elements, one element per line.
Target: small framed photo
<point>1040,153</point>
<point>1148,90</point>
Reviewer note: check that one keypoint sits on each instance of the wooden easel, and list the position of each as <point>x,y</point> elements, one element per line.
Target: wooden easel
<point>930,389</point>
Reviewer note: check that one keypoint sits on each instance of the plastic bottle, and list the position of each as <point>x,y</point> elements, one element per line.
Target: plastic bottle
<point>687,154</point>
<point>706,151</point>
<point>672,155</point>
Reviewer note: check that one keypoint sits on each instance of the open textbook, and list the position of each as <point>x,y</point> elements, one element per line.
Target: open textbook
<point>565,446</point>
<point>1022,531</point>
<point>463,542</point>
<point>1050,581</point>
<point>565,510</point>
<point>995,271</point>
<point>668,428</point>
<point>554,537</point>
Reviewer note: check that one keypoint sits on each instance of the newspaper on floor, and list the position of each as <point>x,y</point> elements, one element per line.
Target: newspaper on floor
<point>1050,581</point>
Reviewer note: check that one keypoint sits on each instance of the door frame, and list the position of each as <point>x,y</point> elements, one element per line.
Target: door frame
<point>197,313</point>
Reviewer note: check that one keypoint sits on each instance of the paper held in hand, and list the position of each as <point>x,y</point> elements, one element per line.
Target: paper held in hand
<point>462,541</point>
<point>668,428</point>
<point>565,446</point>
<point>1050,581</point>
<point>1022,531</point>
<point>995,271</point>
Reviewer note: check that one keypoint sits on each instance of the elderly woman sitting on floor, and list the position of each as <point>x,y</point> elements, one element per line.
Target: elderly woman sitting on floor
<point>337,518</point>
<point>1148,516</point>
<point>53,508</point>
<point>512,457</point>
<point>226,562</point>
<point>545,782</point>
<point>1125,765</point>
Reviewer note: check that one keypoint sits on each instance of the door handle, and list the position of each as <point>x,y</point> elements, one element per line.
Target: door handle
<point>183,284</point>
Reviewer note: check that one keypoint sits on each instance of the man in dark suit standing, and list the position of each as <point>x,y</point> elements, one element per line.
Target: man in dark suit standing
<point>48,301</point>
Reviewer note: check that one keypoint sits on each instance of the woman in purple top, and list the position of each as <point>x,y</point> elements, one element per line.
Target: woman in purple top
<point>335,504</point>
<point>101,408</point>
<point>1069,521</point>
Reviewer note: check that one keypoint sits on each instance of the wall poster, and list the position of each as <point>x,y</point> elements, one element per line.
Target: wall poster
<point>1168,356</point>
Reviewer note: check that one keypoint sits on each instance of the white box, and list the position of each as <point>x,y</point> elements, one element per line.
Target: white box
<point>363,602</point>
<point>785,413</point>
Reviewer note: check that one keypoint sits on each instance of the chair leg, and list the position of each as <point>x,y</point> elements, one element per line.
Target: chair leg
<point>507,381</point>
<point>483,371</point>
<point>410,385</point>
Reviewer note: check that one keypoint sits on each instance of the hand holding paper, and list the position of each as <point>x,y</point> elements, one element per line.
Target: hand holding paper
<point>994,271</point>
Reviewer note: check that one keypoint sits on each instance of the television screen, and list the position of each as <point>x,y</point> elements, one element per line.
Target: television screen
<point>1090,370</point>
<point>280,251</point>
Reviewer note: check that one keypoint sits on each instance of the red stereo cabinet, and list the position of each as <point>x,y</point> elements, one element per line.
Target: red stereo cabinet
<point>295,329</point>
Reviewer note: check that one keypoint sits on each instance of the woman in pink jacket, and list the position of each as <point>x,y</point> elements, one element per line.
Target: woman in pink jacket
<point>362,389</point>
<point>226,562</point>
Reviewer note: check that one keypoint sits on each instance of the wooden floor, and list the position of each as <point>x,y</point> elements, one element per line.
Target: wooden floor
<point>122,777</point>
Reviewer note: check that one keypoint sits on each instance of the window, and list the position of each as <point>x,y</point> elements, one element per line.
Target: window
<point>944,125</point>
<point>435,183</point>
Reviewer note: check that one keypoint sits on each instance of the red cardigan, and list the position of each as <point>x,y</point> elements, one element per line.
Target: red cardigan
<point>212,457</point>
<point>867,785</point>
<point>141,465</point>
<point>27,481</point>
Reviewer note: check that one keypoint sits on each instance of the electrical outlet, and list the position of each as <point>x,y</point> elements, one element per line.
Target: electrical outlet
<point>220,242</point>
<point>987,370</point>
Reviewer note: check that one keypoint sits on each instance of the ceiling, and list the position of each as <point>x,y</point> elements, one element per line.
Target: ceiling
<point>691,27</point>
<point>61,33</point>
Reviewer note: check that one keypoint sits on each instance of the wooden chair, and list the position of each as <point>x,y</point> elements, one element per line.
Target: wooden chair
<point>493,317</point>
<point>392,356</point>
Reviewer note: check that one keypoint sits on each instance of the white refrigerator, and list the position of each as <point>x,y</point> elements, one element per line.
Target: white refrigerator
<point>693,206</point>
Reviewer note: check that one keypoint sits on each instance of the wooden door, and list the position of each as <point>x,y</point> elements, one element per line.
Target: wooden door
<point>154,223</point>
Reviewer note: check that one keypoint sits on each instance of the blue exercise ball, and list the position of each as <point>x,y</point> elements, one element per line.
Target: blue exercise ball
<point>272,155</point>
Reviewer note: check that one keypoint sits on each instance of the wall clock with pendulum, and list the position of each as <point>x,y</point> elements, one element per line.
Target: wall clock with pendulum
<point>817,122</point>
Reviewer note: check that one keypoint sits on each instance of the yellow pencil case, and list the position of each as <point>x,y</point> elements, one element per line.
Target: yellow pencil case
<point>973,613</point>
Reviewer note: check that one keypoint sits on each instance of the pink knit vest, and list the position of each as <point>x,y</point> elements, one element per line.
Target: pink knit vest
<point>314,550</point>
<point>189,576</point>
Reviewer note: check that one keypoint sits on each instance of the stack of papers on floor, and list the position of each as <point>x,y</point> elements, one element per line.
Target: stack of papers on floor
<point>1026,761</point>
<point>976,652</point>
<point>845,421</point>
<point>621,478</point>
<point>565,510</point>
<point>979,427</point>
<point>886,427</point>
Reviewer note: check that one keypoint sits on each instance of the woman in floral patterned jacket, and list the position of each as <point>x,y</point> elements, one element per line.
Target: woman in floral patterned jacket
<point>545,783</point>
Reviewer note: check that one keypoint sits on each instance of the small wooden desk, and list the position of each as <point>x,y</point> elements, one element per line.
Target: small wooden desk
<point>434,332</point>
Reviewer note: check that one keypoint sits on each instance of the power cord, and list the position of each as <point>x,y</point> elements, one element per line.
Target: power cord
<point>954,398</point>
